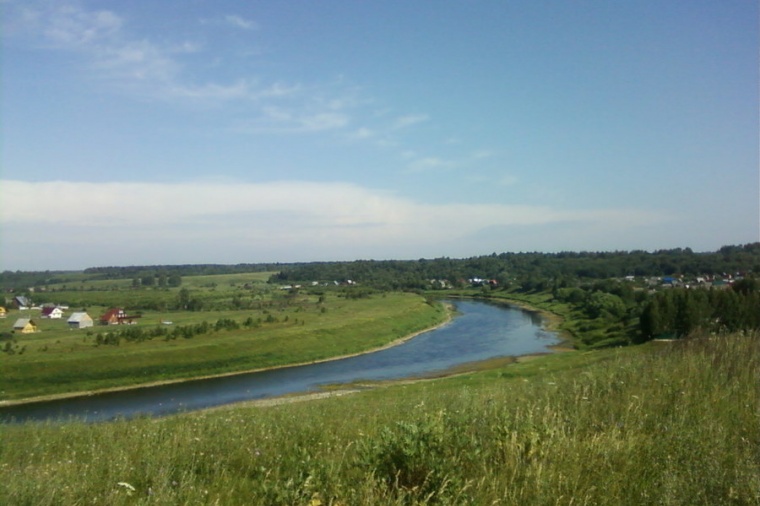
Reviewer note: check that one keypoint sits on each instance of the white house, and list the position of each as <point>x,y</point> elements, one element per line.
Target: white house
<point>52,312</point>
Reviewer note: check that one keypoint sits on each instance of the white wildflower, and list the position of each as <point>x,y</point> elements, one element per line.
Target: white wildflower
<point>126,486</point>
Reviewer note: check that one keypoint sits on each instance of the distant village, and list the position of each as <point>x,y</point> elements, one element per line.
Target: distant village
<point>76,320</point>
<point>118,316</point>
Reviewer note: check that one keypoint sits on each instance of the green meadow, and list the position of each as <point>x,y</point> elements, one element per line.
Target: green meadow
<point>674,423</point>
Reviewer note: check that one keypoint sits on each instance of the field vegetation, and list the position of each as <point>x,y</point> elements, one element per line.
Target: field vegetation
<point>239,330</point>
<point>665,423</point>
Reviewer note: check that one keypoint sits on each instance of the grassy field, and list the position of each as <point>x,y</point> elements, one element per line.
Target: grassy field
<point>271,332</point>
<point>215,291</point>
<point>660,424</point>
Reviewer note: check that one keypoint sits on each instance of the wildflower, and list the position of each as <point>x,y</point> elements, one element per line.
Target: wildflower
<point>126,486</point>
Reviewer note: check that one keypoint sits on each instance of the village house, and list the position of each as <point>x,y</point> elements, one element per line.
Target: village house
<point>3,312</point>
<point>25,326</point>
<point>21,302</point>
<point>79,321</point>
<point>117,316</point>
<point>52,312</point>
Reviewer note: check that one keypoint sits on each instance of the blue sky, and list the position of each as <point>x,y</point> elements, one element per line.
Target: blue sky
<point>223,131</point>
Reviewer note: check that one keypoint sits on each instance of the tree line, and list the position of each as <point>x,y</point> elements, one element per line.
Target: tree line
<point>506,268</point>
<point>679,312</point>
<point>533,271</point>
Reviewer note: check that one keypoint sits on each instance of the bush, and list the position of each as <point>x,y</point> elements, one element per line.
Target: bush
<point>411,457</point>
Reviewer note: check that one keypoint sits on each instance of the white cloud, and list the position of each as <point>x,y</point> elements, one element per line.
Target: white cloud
<point>409,120</point>
<point>292,120</point>
<point>101,36</point>
<point>483,154</point>
<point>430,163</point>
<point>363,133</point>
<point>136,62</point>
<point>508,180</point>
<point>240,22</point>
<point>235,222</point>
<point>168,70</point>
<point>72,26</point>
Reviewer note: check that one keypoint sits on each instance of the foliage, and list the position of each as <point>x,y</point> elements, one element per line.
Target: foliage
<point>678,312</point>
<point>412,458</point>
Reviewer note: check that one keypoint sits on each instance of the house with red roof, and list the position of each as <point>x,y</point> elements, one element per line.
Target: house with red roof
<point>117,316</point>
<point>51,312</point>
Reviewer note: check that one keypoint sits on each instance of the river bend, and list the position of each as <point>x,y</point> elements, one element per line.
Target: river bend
<point>480,331</point>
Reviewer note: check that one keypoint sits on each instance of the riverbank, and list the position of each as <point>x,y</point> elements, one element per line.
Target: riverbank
<point>457,359</point>
<point>551,321</point>
<point>52,363</point>
<point>486,336</point>
<point>449,311</point>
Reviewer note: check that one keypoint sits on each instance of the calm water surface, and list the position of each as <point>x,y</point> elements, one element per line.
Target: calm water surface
<point>481,331</point>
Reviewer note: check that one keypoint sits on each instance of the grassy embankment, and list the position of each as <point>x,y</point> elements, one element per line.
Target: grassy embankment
<point>282,330</point>
<point>665,423</point>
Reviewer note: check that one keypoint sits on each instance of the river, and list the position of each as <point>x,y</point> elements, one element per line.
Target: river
<point>480,331</point>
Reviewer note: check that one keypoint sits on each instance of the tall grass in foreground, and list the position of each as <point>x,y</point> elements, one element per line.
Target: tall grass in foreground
<point>678,424</point>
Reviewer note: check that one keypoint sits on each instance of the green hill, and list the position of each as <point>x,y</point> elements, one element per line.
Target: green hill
<point>662,423</point>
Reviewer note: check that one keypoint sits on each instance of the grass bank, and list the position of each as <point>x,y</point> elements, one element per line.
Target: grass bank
<point>660,424</point>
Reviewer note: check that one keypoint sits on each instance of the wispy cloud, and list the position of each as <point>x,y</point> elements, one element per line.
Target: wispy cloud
<point>240,22</point>
<point>169,71</point>
<point>429,163</point>
<point>483,154</point>
<point>409,120</point>
<point>86,220</point>
<point>101,36</point>
<point>508,180</point>
<point>136,62</point>
<point>363,133</point>
<point>291,120</point>
<point>70,25</point>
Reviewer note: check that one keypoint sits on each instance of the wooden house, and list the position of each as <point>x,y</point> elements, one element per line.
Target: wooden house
<point>117,316</point>
<point>52,312</point>
<point>3,312</point>
<point>25,326</point>
<point>79,321</point>
<point>21,302</point>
